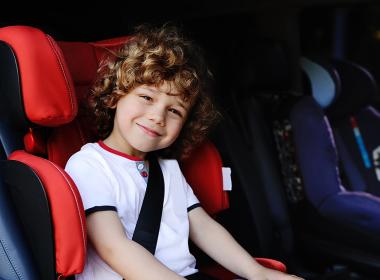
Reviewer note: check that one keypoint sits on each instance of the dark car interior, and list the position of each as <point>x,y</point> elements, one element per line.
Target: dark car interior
<point>297,85</point>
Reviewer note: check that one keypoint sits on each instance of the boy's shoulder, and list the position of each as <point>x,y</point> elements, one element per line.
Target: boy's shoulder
<point>86,150</point>
<point>89,153</point>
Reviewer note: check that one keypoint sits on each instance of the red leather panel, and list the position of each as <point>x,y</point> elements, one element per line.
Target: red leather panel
<point>103,48</point>
<point>47,88</point>
<point>203,171</point>
<point>67,212</point>
<point>65,141</point>
<point>81,60</point>
<point>34,142</point>
<point>111,43</point>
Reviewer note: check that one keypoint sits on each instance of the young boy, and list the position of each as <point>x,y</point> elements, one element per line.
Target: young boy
<point>151,98</point>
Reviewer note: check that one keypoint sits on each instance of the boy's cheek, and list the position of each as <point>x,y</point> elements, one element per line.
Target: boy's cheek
<point>178,132</point>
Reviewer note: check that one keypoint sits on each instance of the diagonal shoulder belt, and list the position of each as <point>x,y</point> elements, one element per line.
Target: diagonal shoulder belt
<point>149,220</point>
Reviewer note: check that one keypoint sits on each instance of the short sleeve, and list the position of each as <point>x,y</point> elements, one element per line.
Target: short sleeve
<point>192,200</point>
<point>93,183</point>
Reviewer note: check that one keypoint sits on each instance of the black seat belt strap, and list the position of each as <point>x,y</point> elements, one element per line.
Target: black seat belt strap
<point>148,223</point>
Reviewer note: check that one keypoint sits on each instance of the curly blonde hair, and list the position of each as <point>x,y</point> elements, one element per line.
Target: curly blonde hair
<point>151,57</point>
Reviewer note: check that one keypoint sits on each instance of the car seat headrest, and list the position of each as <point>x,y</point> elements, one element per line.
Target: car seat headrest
<point>46,85</point>
<point>340,87</point>
<point>324,83</point>
<point>358,89</point>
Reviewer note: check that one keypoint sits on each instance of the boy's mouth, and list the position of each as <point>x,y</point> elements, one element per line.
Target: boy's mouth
<point>149,131</point>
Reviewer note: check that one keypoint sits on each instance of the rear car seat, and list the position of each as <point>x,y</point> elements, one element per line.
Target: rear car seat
<point>336,140</point>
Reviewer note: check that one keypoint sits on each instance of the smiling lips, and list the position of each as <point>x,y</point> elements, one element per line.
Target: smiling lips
<point>149,131</point>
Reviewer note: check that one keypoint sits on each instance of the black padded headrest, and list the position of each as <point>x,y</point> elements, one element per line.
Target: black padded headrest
<point>358,89</point>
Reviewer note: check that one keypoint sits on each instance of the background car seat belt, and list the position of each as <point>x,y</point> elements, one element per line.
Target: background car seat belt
<point>360,142</point>
<point>148,223</point>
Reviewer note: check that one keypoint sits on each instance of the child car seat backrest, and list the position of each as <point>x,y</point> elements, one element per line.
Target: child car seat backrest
<point>343,214</point>
<point>355,120</point>
<point>313,125</point>
<point>317,128</point>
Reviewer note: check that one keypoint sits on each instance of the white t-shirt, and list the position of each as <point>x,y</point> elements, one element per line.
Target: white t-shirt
<point>110,180</point>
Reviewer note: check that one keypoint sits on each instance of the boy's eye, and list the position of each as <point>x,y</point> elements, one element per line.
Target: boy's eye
<point>146,97</point>
<point>175,112</point>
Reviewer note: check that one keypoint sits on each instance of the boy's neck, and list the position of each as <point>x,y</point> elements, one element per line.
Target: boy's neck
<point>113,147</point>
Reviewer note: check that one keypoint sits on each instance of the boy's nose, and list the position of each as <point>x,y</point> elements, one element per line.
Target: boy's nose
<point>158,116</point>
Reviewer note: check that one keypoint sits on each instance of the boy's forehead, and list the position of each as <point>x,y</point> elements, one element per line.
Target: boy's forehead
<point>165,87</point>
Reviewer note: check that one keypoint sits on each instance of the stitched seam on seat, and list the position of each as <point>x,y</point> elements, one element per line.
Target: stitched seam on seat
<point>332,140</point>
<point>76,202</point>
<point>62,70</point>
<point>374,111</point>
<point>5,249</point>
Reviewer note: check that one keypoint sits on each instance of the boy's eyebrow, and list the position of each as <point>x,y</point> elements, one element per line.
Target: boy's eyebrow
<point>180,101</point>
<point>182,104</point>
<point>154,90</point>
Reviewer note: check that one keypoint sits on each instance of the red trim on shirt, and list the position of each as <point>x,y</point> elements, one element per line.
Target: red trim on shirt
<point>109,149</point>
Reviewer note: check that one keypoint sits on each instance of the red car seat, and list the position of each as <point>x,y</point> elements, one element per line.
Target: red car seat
<point>43,122</point>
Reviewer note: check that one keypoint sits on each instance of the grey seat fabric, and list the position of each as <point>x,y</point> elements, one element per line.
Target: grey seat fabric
<point>16,263</point>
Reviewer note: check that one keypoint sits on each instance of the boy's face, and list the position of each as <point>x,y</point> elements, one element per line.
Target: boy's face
<point>148,118</point>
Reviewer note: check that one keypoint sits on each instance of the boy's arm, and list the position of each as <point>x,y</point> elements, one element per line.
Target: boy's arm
<point>215,241</point>
<point>126,257</point>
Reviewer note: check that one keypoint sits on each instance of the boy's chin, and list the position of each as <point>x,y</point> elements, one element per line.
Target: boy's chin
<point>150,149</point>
